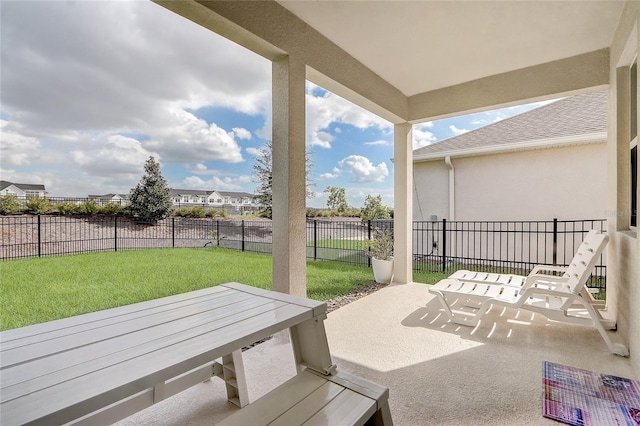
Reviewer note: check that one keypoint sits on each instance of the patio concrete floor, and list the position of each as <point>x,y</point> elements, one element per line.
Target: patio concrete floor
<point>438,373</point>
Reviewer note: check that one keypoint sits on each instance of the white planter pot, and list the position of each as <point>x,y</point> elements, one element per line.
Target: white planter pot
<point>382,270</point>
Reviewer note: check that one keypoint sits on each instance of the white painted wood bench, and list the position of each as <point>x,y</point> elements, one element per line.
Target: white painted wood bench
<point>100,367</point>
<point>311,398</point>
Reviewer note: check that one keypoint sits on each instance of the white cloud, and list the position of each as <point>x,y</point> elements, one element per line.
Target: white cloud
<point>200,167</point>
<point>379,143</point>
<point>253,151</point>
<point>421,136</point>
<point>215,183</point>
<point>324,108</point>
<point>335,174</point>
<point>119,155</point>
<point>363,170</point>
<point>17,150</point>
<point>82,77</point>
<point>457,131</point>
<point>189,139</point>
<point>73,68</point>
<point>241,133</point>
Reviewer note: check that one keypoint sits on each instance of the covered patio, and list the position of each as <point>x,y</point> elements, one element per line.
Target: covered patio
<point>437,372</point>
<point>413,62</point>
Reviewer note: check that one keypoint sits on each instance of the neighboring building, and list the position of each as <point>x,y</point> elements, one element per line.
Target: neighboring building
<point>22,190</point>
<point>550,162</point>
<point>234,202</point>
<point>110,198</point>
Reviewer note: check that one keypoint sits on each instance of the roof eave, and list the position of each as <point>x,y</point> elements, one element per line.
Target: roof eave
<point>596,137</point>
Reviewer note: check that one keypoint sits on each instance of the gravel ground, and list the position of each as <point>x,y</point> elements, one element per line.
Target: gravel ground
<point>356,294</point>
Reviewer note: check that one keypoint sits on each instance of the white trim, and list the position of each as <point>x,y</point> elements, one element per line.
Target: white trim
<point>452,188</point>
<point>598,137</point>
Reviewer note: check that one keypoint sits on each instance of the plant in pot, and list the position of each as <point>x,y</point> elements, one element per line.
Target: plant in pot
<point>381,253</point>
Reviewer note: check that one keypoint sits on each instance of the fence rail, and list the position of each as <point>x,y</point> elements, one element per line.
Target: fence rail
<point>442,246</point>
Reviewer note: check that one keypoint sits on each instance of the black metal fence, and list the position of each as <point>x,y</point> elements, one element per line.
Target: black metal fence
<point>443,246</point>
<point>505,247</point>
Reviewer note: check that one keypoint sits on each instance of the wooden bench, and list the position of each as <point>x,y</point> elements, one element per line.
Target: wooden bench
<point>312,398</point>
<point>100,367</point>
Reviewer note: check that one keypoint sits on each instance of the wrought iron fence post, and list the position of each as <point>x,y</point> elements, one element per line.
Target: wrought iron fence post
<point>369,239</point>
<point>115,233</point>
<point>39,238</point>
<point>444,245</point>
<point>555,241</point>
<point>218,232</point>
<point>242,228</point>
<point>315,239</point>
<point>173,232</point>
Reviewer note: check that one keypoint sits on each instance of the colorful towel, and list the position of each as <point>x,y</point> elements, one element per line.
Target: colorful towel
<point>583,398</point>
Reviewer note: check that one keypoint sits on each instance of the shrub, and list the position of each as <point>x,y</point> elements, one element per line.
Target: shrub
<point>197,211</point>
<point>113,209</point>
<point>351,212</point>
<point>180,212</point>
<point>213,213</point>
<point>37,205</point>
<point>88,208</point>
<point>9,204</point>
<point>67,208</point>
<point>381,244</point>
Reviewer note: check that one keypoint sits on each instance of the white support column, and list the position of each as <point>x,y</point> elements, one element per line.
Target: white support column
<point>289,174</point>
<point>403,202</point>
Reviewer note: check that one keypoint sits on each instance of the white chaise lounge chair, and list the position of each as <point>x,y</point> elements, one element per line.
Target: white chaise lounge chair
<point>557,297</point>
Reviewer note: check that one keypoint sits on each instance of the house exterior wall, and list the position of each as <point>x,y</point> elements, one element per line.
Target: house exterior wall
<point>623,272</point>
<point>12,190</point>
<point>431,190</point>
<point>20,193</point>
<point>564,182</point>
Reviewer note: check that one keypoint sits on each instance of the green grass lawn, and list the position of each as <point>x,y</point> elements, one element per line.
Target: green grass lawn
<point>43,289</point>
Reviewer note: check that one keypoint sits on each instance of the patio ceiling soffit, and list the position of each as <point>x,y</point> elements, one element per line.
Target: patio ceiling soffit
<point>251,25</point>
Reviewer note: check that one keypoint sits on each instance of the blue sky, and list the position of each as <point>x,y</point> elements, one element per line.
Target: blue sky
<point>91,89</point>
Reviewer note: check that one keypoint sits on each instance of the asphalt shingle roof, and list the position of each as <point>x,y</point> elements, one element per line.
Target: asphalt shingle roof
<point>576,115</point>
<point>24,186</point>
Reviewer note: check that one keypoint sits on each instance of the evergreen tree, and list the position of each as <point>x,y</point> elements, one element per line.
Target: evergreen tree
<point>151,199</point>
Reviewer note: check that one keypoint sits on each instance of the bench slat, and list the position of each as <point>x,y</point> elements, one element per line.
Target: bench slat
<point>132,333</point>
<point>304,409</point>
<point>81,320</point>
<point>348,408</point>
<point>310,398</point>
<point>60,366</point>
<point>272,405</point>
<point>174,310</point>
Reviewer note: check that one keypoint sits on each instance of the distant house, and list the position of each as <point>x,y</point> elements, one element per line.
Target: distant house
<point>550,162</point>
<point>234,202</point>
<point>22,190</point>
<point>110,198</point>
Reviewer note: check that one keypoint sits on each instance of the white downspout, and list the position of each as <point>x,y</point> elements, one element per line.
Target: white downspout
<point>452,187</point>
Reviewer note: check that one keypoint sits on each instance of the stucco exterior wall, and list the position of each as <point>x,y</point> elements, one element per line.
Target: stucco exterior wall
<point>623,272</point>
<point>565,183</point>
<point>431,190</point>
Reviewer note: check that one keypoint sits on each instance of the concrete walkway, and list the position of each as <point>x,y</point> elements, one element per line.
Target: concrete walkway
<point>438,373</point>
